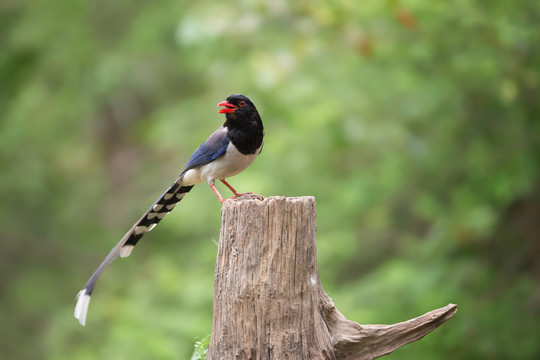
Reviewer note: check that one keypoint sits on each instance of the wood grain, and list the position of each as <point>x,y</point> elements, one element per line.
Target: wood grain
<point>268,299</point>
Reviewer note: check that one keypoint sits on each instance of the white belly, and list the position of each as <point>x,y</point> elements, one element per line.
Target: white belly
<point>230,164</point>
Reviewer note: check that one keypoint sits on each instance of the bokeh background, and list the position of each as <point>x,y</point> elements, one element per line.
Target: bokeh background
<point>414,123</point>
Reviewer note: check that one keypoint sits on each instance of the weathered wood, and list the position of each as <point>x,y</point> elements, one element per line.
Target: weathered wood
<point>268,299</point>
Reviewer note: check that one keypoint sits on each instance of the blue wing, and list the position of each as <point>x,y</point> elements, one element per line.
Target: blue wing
<point>214,147</point>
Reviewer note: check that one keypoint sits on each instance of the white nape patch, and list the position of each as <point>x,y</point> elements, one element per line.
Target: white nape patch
<point>81,308</point>
<point>170,206</point>
<point>151,226</point>
<point>151,215</point>
<point>139,230</point>
<point>157,207</point>
<point>125,250</point>
<point>162,215</point>
<point>168,196</point>
<point>180,196</point>
<point>312,279</point>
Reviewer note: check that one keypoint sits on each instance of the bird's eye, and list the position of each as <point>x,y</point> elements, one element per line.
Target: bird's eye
<point>242,103</point>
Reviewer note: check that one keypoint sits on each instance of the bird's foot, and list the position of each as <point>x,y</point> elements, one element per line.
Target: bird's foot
<point>242,194</point>
<point>248,195</point>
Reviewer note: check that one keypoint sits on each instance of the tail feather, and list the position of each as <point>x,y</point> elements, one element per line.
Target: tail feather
<point>166,202</point>
<point>125,250</point>
<point>153,216</point>
<point>83,300</point>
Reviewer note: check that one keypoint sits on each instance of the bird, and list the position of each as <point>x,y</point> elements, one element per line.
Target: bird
<point>228,151</point>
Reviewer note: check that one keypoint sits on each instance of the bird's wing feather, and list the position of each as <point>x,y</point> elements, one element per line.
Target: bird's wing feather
<point>214,147</point>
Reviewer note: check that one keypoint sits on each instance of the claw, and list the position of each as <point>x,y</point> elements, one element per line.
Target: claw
<point>246,193</point>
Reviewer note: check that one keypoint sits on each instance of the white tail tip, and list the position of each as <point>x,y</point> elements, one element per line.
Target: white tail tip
<point>126,250</point>
<point>81,308</point>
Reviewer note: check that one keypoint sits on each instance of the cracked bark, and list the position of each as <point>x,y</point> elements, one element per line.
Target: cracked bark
<point>268,299</point>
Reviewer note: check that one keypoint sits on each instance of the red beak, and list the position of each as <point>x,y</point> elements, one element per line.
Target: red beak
<point>229,108</point>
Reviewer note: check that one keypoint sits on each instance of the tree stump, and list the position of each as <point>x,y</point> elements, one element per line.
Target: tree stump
<point>268,300</point>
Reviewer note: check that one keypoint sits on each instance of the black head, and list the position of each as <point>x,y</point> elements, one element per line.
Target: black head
<point>244,125</point>
<point>238,106</point>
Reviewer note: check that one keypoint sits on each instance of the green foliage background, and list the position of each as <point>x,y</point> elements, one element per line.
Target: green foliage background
<point>414,123</point>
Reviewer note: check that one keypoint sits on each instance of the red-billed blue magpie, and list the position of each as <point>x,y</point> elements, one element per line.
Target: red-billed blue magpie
<point>227,152</point>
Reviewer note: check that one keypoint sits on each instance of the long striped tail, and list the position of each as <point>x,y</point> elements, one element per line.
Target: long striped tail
<point>166,202</point>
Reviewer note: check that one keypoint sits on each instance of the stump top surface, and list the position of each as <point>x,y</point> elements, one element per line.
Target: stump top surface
<point>267,200</point>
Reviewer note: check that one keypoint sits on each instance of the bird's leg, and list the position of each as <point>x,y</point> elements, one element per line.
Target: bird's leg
<point>232,189</point>
<point>217,192</point>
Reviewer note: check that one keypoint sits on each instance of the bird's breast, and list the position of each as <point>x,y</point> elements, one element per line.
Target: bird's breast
<point>230,164</point>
